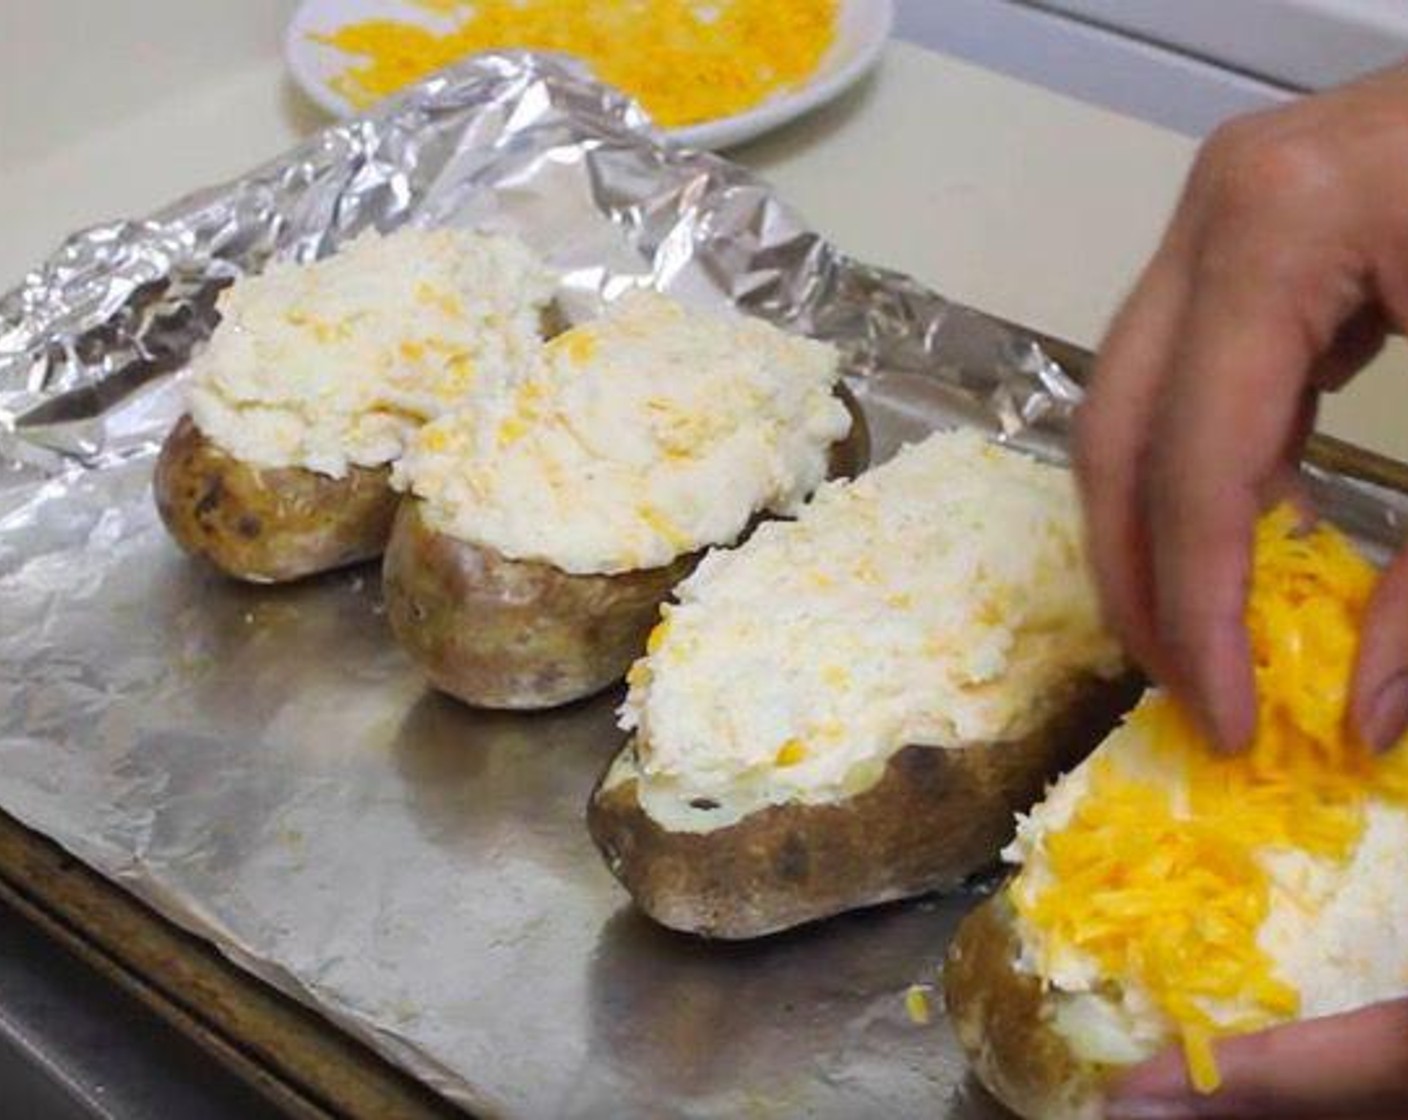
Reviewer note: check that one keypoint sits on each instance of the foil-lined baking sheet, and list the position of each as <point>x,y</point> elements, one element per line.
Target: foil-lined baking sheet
<point>264,767</point>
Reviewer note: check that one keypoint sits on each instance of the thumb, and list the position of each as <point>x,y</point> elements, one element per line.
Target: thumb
<point>1353,1064</point>
<point>1379,701</point>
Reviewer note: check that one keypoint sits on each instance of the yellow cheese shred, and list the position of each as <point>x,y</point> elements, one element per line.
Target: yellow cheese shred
<point>791,752</point>
<point>657,636</point>
<point>916,1004</point>
<point>686,61</point>
<point>657,522</point>
<point>1172,897</point>
<point>578,345</point>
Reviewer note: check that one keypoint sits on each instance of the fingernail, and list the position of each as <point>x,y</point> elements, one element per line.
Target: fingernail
<point>1230,687</point>
<point>1227,719</point>
<point>1141,1108</point>
<point>1234,731</point>
<point>1388,713</point>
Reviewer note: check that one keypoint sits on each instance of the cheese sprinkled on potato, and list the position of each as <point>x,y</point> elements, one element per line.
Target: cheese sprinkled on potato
<point>1228,894</point>
<point>335,363</point>
<point>940,599</point>
<point>637,438</point>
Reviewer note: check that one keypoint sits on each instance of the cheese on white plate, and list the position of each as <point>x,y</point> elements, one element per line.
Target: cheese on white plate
<point>636,438</point>
<point>941,599</point>
<point>335,363</point>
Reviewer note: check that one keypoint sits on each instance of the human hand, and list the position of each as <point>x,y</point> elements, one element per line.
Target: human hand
<point>1282,271</point>
<point>1336,1068</point>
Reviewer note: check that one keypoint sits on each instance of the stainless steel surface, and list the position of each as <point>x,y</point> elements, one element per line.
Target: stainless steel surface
<point>1092,63</point>
<point>265,768</point>
<point>75,1047</point>
<point>283,1050</point>
<point>1300,44</point>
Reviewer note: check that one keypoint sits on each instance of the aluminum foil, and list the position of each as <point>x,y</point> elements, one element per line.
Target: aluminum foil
<point>264,767</point>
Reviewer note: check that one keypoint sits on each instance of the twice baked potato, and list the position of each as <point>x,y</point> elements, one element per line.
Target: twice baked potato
<point>268,525</point>
<point>849,708</point>
<point>1169,895</point>
<point>529,562</point>
<point>314,379</point>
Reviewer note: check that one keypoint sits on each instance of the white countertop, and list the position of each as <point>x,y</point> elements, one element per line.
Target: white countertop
<point>996,193</point>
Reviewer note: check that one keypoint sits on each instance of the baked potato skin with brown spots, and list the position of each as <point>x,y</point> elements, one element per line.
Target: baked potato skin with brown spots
<point>517,634</point>
<point>936,816</point>
<point>268,525</point>
<point>1003,1018</point>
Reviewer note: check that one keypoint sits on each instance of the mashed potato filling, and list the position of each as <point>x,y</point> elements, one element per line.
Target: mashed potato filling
<point>638,437</point>
<point>335,363</point>
<point>1227,894</point>
<point>939,599</point>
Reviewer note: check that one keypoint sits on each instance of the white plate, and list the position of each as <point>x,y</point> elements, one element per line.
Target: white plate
<point>864,26</point>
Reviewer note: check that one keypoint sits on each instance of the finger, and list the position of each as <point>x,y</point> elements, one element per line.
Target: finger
<point>1287,483</point>
<point>1379,697</point>
<point>1111,438</point>
<point>1355,1064</point>
<point>1227,415</point>
<point>1379,693</point>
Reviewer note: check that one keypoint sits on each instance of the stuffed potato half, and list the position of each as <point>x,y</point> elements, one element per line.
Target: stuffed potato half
<point>1168,895</point>
<point>848,708</point>
<point>538,540</point>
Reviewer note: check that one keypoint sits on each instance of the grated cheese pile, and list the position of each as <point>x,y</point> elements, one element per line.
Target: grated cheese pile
<point>1176,867</point>
<point>685,60</point>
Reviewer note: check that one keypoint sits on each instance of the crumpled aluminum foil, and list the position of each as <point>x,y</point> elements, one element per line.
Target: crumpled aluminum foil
<point>264,767</point>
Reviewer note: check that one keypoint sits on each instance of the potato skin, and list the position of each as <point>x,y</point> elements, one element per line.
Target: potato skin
<point>1003,1019</point>
<point>517,634</point>
<point>935,817</point>
<point>268,525</point>
<point>850,456</point>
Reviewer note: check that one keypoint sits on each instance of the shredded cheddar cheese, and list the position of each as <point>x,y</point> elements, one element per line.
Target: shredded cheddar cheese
<point>656,521</point>
<point>658,634</point>
<point>511,430</point>
<point>578,346</point>
<point>791,752</point>
<point>916,1004</point>
<point>685,60</point>
<point>835,676</point>
<point>1172,895</point>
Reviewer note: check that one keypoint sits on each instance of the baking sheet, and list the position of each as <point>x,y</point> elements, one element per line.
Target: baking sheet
<point>264,767</point>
